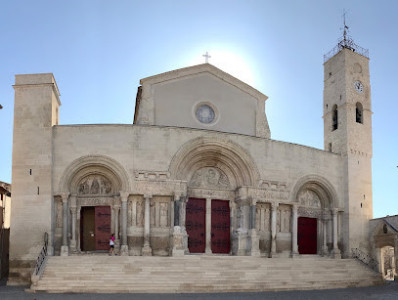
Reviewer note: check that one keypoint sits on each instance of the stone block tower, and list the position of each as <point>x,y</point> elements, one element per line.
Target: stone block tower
<point>348,131</point>
<point>35,112</point>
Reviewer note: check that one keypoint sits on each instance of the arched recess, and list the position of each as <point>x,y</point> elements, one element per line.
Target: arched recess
<point>320,186</point>
<point>90,165</point>
<point>227,156</point>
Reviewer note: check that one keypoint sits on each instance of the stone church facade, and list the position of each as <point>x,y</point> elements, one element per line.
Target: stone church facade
<point>196,173</point>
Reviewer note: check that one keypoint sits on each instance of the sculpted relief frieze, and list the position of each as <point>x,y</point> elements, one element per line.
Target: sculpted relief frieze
<point>95,185</point>
<point>95,201</point>
<point>309,198</point>
<point>209,178</point>
<point>272,191</point>
<point>309,212</point>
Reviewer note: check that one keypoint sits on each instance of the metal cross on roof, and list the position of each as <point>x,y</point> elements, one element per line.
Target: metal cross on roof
<point>206,56</point>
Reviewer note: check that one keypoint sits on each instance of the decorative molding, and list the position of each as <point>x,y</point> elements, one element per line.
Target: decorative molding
<point>151,175</point>
<point>359,153</point>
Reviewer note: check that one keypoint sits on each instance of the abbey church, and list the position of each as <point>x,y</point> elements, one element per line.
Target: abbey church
<point>196,173</point>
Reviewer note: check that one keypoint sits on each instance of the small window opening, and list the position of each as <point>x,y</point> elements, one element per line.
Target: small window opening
<point>361,204</point>
<point>359,113</point>
<point>335,120</point>
<point>327,106</point>
<point>330,74</point>
<point>30,171</point>
<point>330,147</point>
<point>341,97</point>
<point>38,190</point>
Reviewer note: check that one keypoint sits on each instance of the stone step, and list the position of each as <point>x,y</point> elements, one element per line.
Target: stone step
<point>104,274</point>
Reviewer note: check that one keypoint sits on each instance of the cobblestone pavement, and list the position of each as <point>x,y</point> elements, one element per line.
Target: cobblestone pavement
<point>387,291</point>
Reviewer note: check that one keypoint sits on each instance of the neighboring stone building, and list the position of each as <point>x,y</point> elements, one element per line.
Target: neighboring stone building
<point>5,206</point>
<point>384,244</point>
<point>197,172</point>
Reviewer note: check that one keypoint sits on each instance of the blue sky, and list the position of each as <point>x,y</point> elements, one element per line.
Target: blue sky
<point>98,51</point>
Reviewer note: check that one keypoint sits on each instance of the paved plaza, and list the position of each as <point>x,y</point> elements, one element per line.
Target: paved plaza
<point>387,291</point>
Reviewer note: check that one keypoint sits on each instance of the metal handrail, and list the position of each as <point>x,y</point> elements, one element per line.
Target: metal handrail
<point>365,259</point>
<point>346,43</point>
<point>42,256</point>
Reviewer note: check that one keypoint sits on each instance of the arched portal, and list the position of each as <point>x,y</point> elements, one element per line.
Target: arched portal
<point>93,184</point>
<point>213,170</point>
<point>317,216</point>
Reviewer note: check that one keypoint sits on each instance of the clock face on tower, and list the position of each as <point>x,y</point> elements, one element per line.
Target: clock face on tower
<point>358,87</point>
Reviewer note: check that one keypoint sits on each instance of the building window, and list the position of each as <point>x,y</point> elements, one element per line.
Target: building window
<point>335,119</point>
<point>359,113</point>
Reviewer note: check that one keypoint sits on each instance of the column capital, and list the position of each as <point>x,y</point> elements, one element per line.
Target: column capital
<point>73,201</point>
<point>148,196</point>
<point>253,201</point>
<point>295,207</point>
<point>64,197</point>
<point>274,205</point>
<point>177,197</point>
<point>116,206</point>
<point>124,195</point>
<point>335,211</point>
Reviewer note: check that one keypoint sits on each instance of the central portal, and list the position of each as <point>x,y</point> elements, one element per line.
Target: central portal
<point>196,225</point>
<point>95,228</point>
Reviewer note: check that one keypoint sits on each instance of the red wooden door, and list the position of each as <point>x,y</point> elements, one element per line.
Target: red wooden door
<point>195,223</point>
<point>307,235</point>
<point>220,226</point>
<point>102,227</point>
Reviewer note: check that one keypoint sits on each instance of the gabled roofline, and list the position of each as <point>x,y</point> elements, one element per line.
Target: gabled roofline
<point>204,68</point>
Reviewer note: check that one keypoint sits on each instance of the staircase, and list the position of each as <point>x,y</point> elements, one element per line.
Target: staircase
<point>189,274</point>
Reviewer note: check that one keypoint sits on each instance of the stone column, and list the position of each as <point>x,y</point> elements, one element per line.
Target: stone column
<point>177,236</point>
<point>208,226</point>
<point>124,249</point>
<point>324,224</point>
<point>274,207</point>
<point>146,249</point>
<point>240,245</point>
<point>254,240</point>
<point>336,251</point>
<point>183,211</point>
<point>294,231</point>
<point>116,209</point>
<point>64,247</point>
<point>73,210</point>
<point>177,203</point>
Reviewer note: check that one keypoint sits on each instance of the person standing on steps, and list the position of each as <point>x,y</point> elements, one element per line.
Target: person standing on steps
<point>112,244</point>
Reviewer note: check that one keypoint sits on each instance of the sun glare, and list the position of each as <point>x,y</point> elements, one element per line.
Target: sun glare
<point>230,62</point>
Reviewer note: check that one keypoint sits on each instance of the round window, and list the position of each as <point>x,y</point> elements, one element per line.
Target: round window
<point>205,114</point>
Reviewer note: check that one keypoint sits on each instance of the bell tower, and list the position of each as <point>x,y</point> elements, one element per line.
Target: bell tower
<point>347,120</point>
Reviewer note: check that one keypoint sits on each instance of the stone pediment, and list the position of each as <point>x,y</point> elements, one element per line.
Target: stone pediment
<point>202,97</point>
<point>204,68</point>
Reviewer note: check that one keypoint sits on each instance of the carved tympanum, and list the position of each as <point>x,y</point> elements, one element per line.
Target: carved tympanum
<point>95,185</point>
<point>309,198</point>
<point>209,178</point>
